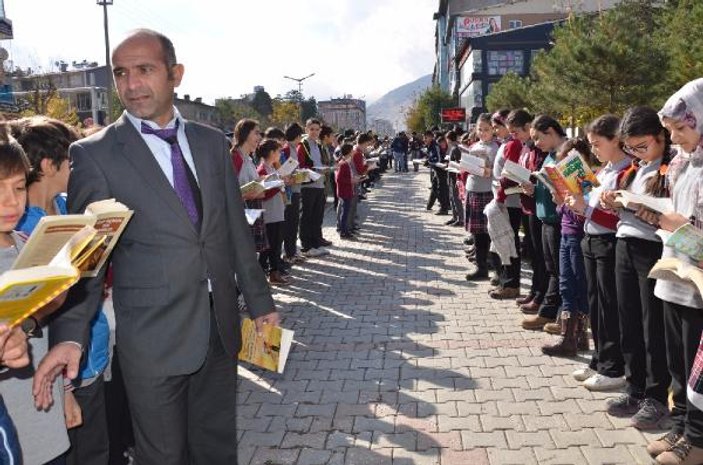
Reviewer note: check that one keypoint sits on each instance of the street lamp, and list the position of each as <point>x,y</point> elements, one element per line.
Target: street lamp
<point>104,4</point>
<point>300,82</point>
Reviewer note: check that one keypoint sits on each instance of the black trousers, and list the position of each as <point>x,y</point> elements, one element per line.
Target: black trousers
<point>551,241</point>
<point>313,207</point>
<point>89,441</point>
<point>443,189</point>
<point>270,259</point>
<point>599,261</point>
<point>510,274</point>
<point>482,243</point>
<point>539,273</point>
<point>683,327</point>
<point>119,418</point>
<point>641,319</point>
<point>454,201</point>
<point>291,225</point>
<point>187,419</point>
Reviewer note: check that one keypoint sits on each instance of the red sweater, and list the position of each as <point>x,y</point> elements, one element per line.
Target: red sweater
<point>359,161</point>
<point>343,178</point>
<point>237,161</point>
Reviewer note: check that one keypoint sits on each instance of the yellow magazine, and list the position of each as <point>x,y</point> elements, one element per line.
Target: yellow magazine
<point>268,350</point>
<point>24,291</point>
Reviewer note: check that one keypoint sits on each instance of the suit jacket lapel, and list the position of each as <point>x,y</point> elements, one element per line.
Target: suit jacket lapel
<point>199,151</point>
<point>138,154</point>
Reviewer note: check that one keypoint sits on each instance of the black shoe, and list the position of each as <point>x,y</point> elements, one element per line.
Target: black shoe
<point>495,281</point>
<point>325,243</point>
<point>457,223</point>
<point>469,240</point>
<point>450,222</point>
<point>442,213</point>
<point>478,275</point>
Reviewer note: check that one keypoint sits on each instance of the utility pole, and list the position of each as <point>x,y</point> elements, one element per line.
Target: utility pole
<point>300,82</point>
<point>108,65</point>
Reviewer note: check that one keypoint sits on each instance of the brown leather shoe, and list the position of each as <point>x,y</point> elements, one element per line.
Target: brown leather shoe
<point>505,293</point>
<point>681,453</point>
<point>663,444</point>
<point>553,328</point>
<point>535,322</point>
<point>524,300</point>
<point>530,308</point>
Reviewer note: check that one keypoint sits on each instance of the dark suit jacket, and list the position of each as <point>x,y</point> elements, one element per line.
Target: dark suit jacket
<point>162,264</point>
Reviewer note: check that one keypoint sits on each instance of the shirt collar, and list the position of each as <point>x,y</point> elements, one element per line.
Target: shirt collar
<point>137,122</point>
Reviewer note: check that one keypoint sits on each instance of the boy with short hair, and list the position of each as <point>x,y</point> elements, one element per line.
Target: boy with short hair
<point>345,191</point>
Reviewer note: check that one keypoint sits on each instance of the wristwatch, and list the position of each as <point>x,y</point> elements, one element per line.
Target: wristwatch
<point>31,327</point>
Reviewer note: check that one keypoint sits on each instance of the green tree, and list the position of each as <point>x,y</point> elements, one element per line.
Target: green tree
<point>512,91</point>
<point>601,63</point>
<point>308,109</point>
<point>230,110</point>
<point>426,112</point>
<point>261,102</point>
<point>683,45</point>
<point>284,113</point>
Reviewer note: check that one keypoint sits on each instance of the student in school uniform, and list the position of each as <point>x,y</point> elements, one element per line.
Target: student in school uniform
<point>638,248</point>
<point>682,115</point>
<point>345,191</point>
<point>293,134</point>
<point>454,155</point>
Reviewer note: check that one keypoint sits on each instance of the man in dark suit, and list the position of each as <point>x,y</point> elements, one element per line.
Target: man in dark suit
<point>174,269</point>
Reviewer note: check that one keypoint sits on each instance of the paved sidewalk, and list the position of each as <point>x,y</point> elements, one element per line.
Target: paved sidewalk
<point>400,361</point>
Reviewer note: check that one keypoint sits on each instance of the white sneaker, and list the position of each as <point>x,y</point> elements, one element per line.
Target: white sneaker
<point>582,374</point>
<point>600,382</point>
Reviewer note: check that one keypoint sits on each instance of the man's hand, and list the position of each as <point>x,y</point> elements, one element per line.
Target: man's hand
<point>268,319</point>
<point>72,411</point>
<point>13,347</point>
<point>63,356</point>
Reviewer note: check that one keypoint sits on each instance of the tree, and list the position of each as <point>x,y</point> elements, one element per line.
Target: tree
<point>261,102</point>
<point>426,112</point>
<point>512,91</point>
<point>229,111</point>
<point>601,63</point>
<point>683,47</point>
<point>284,113</point>
<point>45,100</point>
<point>308,109</point>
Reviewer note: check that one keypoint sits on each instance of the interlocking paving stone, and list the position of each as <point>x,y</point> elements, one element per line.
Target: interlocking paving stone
<point>398,360</point>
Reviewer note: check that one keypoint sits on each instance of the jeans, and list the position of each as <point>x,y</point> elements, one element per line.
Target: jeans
<point>343,210</point>
<point>641,314</point>
<point>398,161</point>
<point>572,275</point>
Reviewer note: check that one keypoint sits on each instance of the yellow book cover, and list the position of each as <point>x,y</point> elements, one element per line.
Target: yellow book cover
<point>268,350</point>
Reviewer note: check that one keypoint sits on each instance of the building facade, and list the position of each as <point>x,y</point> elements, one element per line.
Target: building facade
<point>344,113</point>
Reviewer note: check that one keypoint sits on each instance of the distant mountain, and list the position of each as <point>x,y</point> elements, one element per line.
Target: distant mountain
<point>395,103</point>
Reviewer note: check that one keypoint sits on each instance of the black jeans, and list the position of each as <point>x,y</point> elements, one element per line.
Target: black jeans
<point>510,274</point>
<point>270,259</point>
<point>539,272</point>
<point>641,319</point>
<point>599,261</point>
<point>482,243</point>
<point>683,327</point>
<point>551,242</point>
<point>291,225</point>
<point>311,219</point>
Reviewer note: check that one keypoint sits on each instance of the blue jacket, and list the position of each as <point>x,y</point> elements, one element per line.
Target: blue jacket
<point>98,353</point>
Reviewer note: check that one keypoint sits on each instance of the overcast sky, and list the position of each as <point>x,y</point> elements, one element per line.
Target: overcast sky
<point>359,47</point>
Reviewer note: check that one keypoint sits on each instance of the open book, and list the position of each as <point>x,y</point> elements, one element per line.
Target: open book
<point>515,172</point>
<point>259,187</point>
<point>687,239</point>
<point>632,201</point>
<point>288,167</point>
<point>673,269</point>
<point>268,350</point>
<point>109,219</point>
<point>24,290</point>
<point>572,175</point>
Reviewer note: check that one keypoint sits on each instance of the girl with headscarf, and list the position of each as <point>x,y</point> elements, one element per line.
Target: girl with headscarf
<point>682,115</point>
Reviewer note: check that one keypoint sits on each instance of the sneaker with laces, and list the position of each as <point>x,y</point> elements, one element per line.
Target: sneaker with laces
<point>582,374</point>
<point>599,382</point>
<point>650,414</point>
<point>681,453</point>
<point>663,444</point>
<point>623,405</point>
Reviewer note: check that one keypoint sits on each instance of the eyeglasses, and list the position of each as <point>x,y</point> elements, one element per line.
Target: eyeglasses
<point>638,149</point>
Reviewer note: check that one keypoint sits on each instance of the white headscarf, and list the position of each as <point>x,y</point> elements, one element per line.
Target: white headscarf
<point>686,105</point>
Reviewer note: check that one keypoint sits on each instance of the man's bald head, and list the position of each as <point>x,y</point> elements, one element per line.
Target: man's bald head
<point>167,48</point>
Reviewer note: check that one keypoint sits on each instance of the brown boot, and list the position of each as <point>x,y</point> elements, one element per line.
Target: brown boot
<point>505,293</point>
<point>530,308</point>
<point>535,322</point>
<point>663,444</point>
<point>681,453</point>
<point>569,341</point>
<point>275,279</point>
<point>524,300</point>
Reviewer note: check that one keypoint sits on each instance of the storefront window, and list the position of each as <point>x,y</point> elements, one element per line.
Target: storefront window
<point>501,62</point>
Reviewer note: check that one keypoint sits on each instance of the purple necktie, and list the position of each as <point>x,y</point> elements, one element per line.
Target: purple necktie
<point>184,182</point>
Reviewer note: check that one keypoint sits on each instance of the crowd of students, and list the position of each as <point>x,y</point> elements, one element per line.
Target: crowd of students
<point>590,256</point>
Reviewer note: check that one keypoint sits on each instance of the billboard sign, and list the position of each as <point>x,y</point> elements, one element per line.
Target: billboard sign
<point>453,115</point>
<point>473,26</point>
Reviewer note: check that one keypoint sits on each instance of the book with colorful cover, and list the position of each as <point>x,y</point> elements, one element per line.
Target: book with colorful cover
<point>23,291</point>
<point>268,350</point>
<point>687,239</point>
<point>577,175</point>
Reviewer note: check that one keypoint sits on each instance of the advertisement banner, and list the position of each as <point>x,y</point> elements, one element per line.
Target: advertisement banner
<point>472,26</point>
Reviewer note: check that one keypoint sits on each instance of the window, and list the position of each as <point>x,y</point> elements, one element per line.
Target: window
<point>500,62</point>
<point>83,102</point>
<point>514,23</point>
